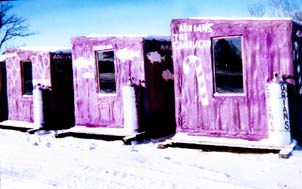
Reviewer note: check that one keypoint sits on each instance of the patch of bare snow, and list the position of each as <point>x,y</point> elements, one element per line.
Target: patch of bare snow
<point>42,161</point>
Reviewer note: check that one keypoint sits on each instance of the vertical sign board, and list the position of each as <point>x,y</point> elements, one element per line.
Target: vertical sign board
<point>278,113</point>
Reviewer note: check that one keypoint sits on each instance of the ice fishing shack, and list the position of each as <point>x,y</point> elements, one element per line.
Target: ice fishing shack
<point>102,67</point>
<point>48,71</point>
<point>3,92</point>
<point>238,79</point>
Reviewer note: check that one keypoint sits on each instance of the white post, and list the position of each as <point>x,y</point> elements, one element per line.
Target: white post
<point>130,111</point>
<point>38,107</point>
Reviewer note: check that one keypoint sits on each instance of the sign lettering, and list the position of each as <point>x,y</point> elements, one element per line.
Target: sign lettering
<point>285,111</point>
<point>201,28</point>
<point>181,39</point>
<point>61,56</point>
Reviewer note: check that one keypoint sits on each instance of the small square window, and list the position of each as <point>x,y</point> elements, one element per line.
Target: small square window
<point>227,55</point>
<point>106,72</point>
<point>26,77</point>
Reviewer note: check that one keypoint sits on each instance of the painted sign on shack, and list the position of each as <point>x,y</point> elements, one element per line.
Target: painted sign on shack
<point>222,68</point>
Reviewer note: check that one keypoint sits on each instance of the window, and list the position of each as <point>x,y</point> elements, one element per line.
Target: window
<point>227,55</point>
<point>106,72</point>
<point>27,79</point>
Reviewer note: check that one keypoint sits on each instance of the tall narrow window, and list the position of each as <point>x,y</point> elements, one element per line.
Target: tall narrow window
<point>106,72</point>
<point>27,79</point>
<point>227,55</point>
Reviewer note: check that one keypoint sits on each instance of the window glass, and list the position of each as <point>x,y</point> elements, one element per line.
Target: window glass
<point>228,65</point>
<point>27,80</point>
<point>106,72</point>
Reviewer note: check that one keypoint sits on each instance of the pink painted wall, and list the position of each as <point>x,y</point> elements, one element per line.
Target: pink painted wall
<point>266,48</point>
<point>91,108</point>
<point>21,107</point>
<point>145,59</point>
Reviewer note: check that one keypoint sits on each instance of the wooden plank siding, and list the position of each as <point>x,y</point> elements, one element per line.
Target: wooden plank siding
<point>20,106</point>
<point>266,48</point>
<point>146,60</point>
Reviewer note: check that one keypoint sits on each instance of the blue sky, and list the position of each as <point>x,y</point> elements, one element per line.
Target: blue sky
<point>55,22</point>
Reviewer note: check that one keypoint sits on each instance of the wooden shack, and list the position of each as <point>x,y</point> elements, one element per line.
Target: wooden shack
<point>103,64</point>
<point>222,67</point>
<point>49,67</point>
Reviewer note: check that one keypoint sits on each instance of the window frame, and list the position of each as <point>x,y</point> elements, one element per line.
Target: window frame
<point>227,93</point>
<point>98,87</point>
<point>23,79</point>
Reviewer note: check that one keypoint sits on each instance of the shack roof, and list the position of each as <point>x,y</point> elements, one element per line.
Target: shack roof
<point>244,18</point>
<point>46,48</point>
<point>145,36</point>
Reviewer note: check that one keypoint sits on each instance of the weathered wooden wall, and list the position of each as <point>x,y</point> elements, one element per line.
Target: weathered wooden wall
<point>266,48</point>
<point>21,107</point>
<point>91,108</point>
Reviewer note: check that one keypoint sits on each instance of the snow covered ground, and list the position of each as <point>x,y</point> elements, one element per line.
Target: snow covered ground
<point>41,161</point>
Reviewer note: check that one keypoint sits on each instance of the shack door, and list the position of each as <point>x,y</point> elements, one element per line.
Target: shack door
<point>62,108</point>
<point>159,107</point>
<point>3,93</point>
